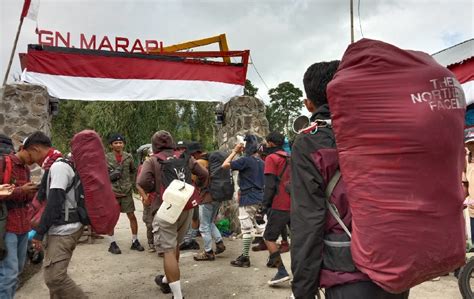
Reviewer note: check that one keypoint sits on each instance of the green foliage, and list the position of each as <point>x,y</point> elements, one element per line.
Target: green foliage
<point>285,105</point>
<point>137,121</point>
<point>249,89</point>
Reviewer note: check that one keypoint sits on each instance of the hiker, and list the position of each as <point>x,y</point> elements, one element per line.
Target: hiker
<point>469,180</point>
<point>168,236</point>
<point>251,182</point>
<point>208,210</point>
<point>308,207</point>
<point>264,150</point>
<point>6,145</point>
<point>122,171</point>
<point>144,152</point>
<point>63,232</point>
<point>189,242</point>
<point>276,202</point>
<point>15,179</point>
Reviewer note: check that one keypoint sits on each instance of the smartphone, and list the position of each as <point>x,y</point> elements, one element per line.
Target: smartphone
<point>240,140</point>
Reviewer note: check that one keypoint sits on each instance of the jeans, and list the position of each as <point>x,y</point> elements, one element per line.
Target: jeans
<point>207,227</point>
<point>13,263</point>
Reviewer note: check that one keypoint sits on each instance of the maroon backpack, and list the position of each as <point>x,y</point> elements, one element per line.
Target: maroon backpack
<point>398,119</point>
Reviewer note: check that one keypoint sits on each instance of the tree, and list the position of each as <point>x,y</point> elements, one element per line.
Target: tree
<point>136,120</point>
<point>249,89</point>
<point>285,105</point>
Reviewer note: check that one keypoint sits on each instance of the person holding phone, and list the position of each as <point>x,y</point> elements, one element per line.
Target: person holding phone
<point>16,192</point>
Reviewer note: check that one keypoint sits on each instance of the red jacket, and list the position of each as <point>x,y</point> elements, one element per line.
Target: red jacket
<point>18,220</point>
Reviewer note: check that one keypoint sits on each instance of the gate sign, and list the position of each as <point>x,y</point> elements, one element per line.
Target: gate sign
<point>92,75</point>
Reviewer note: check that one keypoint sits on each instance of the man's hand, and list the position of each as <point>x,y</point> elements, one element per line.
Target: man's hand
<point>29,188</point>
<point>239,148</point>
<point>146,200</point>
<point>6,189</point>
<point>37,244</point>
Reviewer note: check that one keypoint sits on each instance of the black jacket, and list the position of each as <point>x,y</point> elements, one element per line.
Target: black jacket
<point>308,208</point>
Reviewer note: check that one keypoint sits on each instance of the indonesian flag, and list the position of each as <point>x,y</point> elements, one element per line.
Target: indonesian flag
<point>465,74</point>
<point>30,9</point>
<point>91,75</point>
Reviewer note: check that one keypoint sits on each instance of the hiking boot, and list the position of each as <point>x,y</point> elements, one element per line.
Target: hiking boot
<point>260,247</point>
<point>193,245</point>
<point>220,247</point>
<point>280,276</point>
<point>164,287</point>
<point>151,248</point>
<point>137,246</point>
<point>205,256</point>
<point>241,261</point>
<point>114,249</point>
<point>284,246</point>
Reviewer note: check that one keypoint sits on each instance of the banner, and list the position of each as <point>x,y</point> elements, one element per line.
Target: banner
<point>91,75</point>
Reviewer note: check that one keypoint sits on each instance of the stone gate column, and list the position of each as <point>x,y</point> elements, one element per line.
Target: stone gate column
<point>24,108</point>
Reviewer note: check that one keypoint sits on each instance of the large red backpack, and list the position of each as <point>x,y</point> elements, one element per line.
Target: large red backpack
<point>90,163</point>
<point>398,119</point>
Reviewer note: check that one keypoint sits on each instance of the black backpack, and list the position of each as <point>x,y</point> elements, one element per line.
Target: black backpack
<point>221,185</point>
<point>80,212</point>
<point>175,167</point>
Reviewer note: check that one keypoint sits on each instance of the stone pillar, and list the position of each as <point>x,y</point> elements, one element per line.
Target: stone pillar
<point>24,108</point>
<point>242,115</point>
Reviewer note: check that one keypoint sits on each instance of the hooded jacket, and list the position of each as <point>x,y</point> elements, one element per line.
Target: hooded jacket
<point>309,218</point>
<point>150,175</point>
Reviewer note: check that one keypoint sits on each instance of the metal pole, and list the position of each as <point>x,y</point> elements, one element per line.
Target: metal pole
<point>352,21</point>
<point>13,52</point>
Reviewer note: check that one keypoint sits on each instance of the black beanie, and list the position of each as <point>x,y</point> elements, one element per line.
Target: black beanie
<point>116,137</point>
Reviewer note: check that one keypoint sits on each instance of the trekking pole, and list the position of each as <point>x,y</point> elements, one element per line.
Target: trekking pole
<point>13,52</point>
<point>352,21</point>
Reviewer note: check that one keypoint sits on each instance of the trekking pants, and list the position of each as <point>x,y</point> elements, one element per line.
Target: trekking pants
<point>58,253</point>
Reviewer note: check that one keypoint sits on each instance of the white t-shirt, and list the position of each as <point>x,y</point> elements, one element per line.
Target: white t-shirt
<point>61,177</point>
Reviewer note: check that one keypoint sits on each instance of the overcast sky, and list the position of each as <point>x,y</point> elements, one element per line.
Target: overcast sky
<point>284,37</point>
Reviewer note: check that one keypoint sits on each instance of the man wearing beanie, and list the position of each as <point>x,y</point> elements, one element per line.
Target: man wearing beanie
<point>168,236</point>
<point>122,175</point>
<point>251,183</point>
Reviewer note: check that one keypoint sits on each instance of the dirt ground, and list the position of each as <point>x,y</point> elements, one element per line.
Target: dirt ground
<point>131,274</point>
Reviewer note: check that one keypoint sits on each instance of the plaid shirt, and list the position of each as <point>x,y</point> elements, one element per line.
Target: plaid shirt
<point>18,221</point>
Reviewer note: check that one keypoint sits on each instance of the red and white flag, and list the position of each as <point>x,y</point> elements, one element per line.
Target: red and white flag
<point>465,74</point>
<point>91,75</point>
<point>30,10</point>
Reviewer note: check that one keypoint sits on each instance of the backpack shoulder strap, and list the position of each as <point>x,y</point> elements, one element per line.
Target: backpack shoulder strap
<point>286,157</point>
<point>76,176</point>
<point>331,206</point>
<point>6,169</point>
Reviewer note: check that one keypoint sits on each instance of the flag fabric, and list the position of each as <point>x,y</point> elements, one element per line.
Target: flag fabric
<point>30,10</point>
<point>92,75</point>
<point>465,74</point>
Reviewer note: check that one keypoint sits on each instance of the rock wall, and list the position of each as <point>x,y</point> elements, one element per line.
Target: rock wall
<point>241,115</point>
<point>24,108</point>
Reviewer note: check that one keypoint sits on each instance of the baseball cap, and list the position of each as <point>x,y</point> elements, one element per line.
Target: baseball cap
<point>469,135</point>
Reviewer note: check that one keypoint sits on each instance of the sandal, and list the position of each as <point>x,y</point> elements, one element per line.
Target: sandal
<point>204,256</point>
